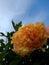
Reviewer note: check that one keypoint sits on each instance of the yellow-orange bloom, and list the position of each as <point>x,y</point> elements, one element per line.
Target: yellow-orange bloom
<point>28,38</point>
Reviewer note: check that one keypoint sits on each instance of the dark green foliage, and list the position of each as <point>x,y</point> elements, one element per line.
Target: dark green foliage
<point>16,26</point>
<point>8,57</point>
<point>2,34</point>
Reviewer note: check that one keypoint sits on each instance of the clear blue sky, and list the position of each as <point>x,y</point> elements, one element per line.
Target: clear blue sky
<point>27,11</point>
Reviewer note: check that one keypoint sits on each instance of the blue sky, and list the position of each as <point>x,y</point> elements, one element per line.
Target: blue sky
<point>27,11</point>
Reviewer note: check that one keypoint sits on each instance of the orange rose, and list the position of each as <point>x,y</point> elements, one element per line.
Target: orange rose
<point>28,38</point>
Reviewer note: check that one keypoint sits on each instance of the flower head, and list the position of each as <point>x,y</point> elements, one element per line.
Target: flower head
<point>28,38</point>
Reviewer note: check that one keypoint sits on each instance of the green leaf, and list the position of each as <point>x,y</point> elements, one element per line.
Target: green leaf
<point>1,49</point>
<point>8,37</point>
<point>1,40</point>
<point>2,34</point>
<point>13,25</point>
<point>11,33</point>
<point>2,55</point>
<point>18,25</point>
<point>2,45</point>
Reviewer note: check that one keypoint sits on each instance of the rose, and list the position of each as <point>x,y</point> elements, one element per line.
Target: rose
<point>30,37</point>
